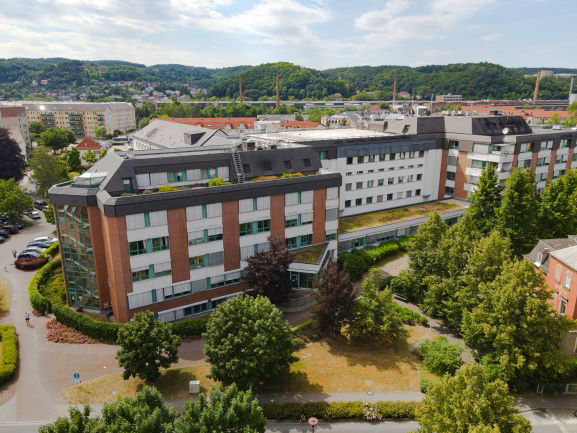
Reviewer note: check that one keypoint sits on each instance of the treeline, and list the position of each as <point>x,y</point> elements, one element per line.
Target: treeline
<point>472,80</point>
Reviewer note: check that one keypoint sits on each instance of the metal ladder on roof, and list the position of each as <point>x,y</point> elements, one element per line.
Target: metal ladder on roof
<point>238,166</point>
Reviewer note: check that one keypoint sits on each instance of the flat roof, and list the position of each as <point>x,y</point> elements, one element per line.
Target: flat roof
<point>321,134</point>
<point>391,216</point>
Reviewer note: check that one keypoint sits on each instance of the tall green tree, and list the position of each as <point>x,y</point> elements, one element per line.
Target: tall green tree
<point>73,160</point>
<point>227,410</point>
<point>100,132</point>
<point>12,162</point>
<point>146,346</point>
<point>56,138</point>
<point>514,327</point>
<point>485,200</point>
<point>335,300</point>
<point>558,215</point>
<point>47,170</point>
<point>375,318</point>
<point>90,157</point>
<point>35,129</point>
<point>425,256</point>
<point>14,201</point>
<point>519,211</point>
<point>247,342</point>
<point>268,271</point>
<point>78,421</point>
<point>470,401</point>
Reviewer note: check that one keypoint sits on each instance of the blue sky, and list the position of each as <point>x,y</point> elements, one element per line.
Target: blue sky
<point>313,33</point>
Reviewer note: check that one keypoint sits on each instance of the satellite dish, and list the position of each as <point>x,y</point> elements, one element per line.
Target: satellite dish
<point>505,131</point>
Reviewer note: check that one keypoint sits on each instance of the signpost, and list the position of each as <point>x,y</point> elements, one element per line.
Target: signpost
<point>75,377</point>
<point>313,422</point>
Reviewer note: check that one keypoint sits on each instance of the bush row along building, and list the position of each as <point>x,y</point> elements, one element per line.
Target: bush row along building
<point>129,243</point>
<point>80,117</point>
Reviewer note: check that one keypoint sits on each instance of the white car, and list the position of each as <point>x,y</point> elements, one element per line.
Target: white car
<point>46,239</point>
<point>35,215</point>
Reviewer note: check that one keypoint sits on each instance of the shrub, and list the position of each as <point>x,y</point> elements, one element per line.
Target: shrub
<point>440,356</point>
<point>9,360</point>
<point>190,328</point>
<point>103,331</point>
<point>302,326</point>
<point>406,285</point>
<point>35,290</point>
<point>218,181</point>
<point>168,188</point>
<point>354,410</point>
<point>410,317</point>
<point>51,251</point>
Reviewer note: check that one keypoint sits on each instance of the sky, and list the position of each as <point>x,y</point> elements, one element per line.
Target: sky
<point>314,33</point>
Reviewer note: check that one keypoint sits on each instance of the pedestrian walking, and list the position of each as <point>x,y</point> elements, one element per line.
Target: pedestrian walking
<point>14,252</point>
<point>5,268</point>
<point>27,318</point>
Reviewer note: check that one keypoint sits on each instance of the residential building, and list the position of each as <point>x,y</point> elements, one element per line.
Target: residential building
<point>15,121</point>
<point>448,98</point>
<point>557,260</point>
<point>216,122</point>
<point>81,117</point>
<point>88,144</point>
<point>164,134</point>
<point>127,246</point>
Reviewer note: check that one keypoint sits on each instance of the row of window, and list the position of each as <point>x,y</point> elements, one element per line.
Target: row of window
<point>192,310</point>
<point>299,241</point>
<point>381,170</point>
<point>381,182</point>
<point>382,197</point>
<point>195,175</point>
<point>384,157</point>
<point>255,227</point>
<point>206,260</point>
<point>298,219</point>
<point>145,246</point>
<point>146,219</point>
<point>253,250</point>
<point>205,236</point>
<point>151,271</point>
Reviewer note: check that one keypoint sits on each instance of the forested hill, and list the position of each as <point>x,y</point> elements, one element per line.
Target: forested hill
<point>472,80</point>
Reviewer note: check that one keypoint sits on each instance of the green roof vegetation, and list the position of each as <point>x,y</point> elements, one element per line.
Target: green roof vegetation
<point>309,255</point>
<point>375,219</point>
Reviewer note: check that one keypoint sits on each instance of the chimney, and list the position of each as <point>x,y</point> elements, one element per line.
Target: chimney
<point>240,86</point>
<point>277,91</point>
<point>537,81</point>
<point>395,90</point>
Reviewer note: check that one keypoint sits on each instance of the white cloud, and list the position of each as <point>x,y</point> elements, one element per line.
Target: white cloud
<point>388,25</point>
<point>491,37</point>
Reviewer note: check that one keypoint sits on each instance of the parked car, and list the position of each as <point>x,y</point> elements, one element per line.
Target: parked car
<point>45,239</point>
<point>36,249</point>
<point>11,228</point>
<point>5,233</point>
<point>3,218</point>
<point>2,239</point>
<point>40,204</point>
<point>35,215</point>
<point>38,244</point>
<point>28,255</point>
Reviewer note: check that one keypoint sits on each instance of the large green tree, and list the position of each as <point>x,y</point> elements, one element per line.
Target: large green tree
<point>558,215</point>
<point>56,138</point>
<point>335,300</point>
<point>514,327</point>
<point>375,317</point>
<point>78,421</point>
<point>73,160</point>
<point>47,170</point>
<point>425,256</point>
<point>227,410</point>
<point>247,342</point>
<point>519,211</point>
<point>485,200</point>
<point>36,128</point>
<point>470,401</point>
<point>268,271</point>
<point>146,346</point>
<point>100,132</point>
<point>12,162</point>
<point>14,201</point>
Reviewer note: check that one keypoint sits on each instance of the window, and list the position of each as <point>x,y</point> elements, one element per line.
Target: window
<point>568,280</point>
<point>421,153</point>
<point>558,273</point>
<point>347,203</point>
<point>391,156</point>
<point>214,234</point>
<point>135,221</point>
<point>400,194</point>
<point>263,226</point>
<point>246,229</point>
<point>452,160</point>
<point>449,190</point>
<point>331,236</point>
<point>306,240</point>
<point>159,244</point>
<point>176,176</point>
<point>306,197</point>
<point>157,218</point>
<point>563,143</point>
<point>214,259</point>
<point>306,218</point>
<point>371,158</point>
<point>360,160</point>
<point>525,147</point>
<point>195,238</point>
<point>323,154</point>
<point>410,178</point>
<point>391,180</point>
<point>370,183</point>
<point>141,274</point>
<point>369,200</point>
<point>196,262</point>
<point>419,176</point>
<point>451,175</point>
<point>349,160</point>
<point>288,164</point>
<point>307,162</point>
<point>291,243</point>
<point>348,187</point>
<point>409,194</point>
<point>379,198</point>
<point>291,221</point>
<point>213,210</point>
<point>194,213</point>
<point>548,144</point>
<point>246,205</point>
<point>380,182</point>
<point>359,185</point>
<point>417,192</point>
<point>453,144</point>
<point>137,247</point>
<point>162,269</point>
<point>526,163</point>
<point>389,197</point>
<point>358,202</point>
<point>400,179</point>
<point>563,306</point>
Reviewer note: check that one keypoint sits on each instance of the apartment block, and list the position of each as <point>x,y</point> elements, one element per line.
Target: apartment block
<point>128,244</point>
<point>81,117</point>
<point>15,121</point>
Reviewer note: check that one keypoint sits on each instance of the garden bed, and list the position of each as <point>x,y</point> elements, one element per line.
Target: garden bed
<point>9,355</point>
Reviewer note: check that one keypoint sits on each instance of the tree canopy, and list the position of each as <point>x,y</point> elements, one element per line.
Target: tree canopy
<point>47,169</point>
<point>56,138</point>
<point>14,201</point>
<point>485,200</point>
<point>12,162</point>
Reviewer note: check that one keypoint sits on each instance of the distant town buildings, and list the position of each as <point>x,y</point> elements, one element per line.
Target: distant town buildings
<point>14,119</point>
<point>80,117</point>
<point>448,98</point>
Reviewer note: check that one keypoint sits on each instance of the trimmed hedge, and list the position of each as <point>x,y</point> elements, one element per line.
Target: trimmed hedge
<point>354,410</point>
<point>190,328</point>
<point>51,251</point>
<point>103,331</point>
<point>9,361</point>
<point>40,302</point>
<point>358,262</point>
